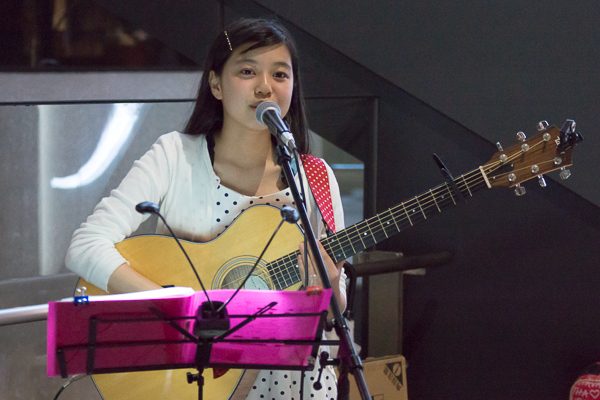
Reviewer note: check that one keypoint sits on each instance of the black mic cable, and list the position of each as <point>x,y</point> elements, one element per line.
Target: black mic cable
<point>147,207</point>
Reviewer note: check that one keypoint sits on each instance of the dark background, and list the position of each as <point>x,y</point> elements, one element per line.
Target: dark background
<point>513,315</point>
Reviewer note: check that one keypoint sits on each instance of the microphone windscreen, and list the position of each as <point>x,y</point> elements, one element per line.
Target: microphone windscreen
<point>290,214</point>
<point>264,106</point>
<point>146,207</point>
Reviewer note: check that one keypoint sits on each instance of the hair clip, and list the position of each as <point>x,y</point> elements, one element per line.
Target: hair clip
<point>227,36</point>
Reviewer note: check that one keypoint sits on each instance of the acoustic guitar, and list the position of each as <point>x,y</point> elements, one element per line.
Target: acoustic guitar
<point>225,261</point>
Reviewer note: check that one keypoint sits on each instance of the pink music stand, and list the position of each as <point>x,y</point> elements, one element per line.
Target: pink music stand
<point>115,334</point>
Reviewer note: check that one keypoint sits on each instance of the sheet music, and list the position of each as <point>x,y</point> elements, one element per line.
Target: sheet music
<point>164,293</point>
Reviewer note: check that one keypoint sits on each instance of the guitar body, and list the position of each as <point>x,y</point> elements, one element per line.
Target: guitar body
<point>221,264</point>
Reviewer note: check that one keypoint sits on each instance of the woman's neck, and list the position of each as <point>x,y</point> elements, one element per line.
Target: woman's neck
<point>246,149</point>
<point>246,162</point>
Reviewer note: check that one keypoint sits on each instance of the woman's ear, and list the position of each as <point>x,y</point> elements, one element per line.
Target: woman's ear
<point>215,85</point>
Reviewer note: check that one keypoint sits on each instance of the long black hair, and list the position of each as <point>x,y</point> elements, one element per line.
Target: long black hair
<point>207,117</point>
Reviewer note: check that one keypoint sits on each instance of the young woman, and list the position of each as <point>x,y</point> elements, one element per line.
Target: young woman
<point>223,164</point>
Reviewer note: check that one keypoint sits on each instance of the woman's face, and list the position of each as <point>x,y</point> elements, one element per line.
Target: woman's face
<point>250,78</point>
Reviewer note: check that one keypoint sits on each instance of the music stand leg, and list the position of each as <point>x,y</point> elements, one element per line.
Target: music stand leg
<point>197,378</point>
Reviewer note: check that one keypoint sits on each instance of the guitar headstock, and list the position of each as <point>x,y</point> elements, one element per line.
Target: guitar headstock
<point>549,150</point>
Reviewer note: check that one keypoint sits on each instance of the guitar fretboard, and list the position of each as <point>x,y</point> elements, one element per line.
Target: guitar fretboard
<point>358,237</point>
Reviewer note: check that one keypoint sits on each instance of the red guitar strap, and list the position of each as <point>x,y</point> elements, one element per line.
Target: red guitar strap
<point>318,180</point>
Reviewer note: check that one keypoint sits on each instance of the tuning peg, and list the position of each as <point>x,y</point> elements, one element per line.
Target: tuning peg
<point>541,180</point>
<point>519,190</point>
<point>573,125</point>
<point>521,136</point>
<point>499,146</point>
<point>542,125</point>
<point>564,173</point>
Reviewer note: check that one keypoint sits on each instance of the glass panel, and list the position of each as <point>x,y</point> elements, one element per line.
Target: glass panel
<point>349,172</point>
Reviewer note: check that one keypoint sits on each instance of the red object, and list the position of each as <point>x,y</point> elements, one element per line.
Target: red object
<point>587,387</point>
<point>219,372</point>
<point>318,180</point>
<point>314,290</point>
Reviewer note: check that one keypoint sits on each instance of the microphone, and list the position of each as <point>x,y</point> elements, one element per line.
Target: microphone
<point>210,321</point>
<point>146,207</point>
<point>268,113</point>
<point>290,214</point>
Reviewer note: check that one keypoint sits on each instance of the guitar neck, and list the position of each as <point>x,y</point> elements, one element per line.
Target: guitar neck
<point>369,232</point>
<point>407,214</point>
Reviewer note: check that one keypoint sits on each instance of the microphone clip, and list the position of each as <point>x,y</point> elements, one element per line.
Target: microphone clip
<point>211,322</point>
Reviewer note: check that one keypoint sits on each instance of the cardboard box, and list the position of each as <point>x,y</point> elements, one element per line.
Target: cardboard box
<point>385,377</point>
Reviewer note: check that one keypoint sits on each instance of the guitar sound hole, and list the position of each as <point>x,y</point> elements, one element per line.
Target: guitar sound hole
<point>234,278</point>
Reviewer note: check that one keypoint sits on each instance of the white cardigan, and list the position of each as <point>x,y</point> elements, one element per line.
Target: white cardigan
<point>177,174</point>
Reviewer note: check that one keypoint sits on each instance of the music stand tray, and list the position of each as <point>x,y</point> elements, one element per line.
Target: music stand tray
<point>153,330</point>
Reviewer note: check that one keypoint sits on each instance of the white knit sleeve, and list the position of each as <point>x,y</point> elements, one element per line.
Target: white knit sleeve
<point>92,254</point>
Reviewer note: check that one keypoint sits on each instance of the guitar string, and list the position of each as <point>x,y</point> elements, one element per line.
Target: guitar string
<point>475,179</point>
<point>413,209</point>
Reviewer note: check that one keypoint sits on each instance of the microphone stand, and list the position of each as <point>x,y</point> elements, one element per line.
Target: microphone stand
<point>350,361</point>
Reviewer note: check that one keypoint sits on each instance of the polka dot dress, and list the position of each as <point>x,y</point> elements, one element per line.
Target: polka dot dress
<point>230,204</point>
<point>285,385</point>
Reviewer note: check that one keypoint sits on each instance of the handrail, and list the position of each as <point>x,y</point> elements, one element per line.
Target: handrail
<point>18,315</point>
